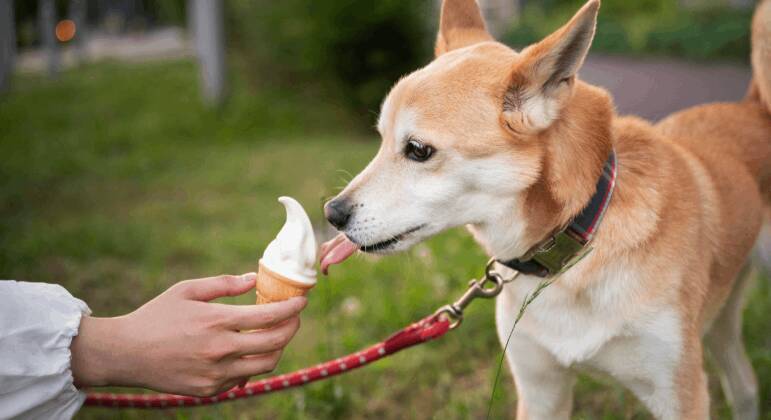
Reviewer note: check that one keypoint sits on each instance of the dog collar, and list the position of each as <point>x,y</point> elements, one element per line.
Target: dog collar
<point>570,244</point>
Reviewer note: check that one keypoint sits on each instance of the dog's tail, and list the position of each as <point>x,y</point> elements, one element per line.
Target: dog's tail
<point>760,86</point>
<point>760,91</point>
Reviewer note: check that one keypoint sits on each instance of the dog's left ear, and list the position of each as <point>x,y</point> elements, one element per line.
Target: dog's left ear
<point>544,75</point>
<point>460,25</point>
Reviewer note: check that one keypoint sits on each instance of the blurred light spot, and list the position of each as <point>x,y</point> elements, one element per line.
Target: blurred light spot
<point>351,306</point>
<point>65,30</point>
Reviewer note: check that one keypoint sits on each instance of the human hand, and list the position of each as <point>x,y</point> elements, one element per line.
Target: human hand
<point>181,343</point>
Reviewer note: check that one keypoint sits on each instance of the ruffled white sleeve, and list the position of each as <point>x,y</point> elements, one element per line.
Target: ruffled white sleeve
<point>37,324</point>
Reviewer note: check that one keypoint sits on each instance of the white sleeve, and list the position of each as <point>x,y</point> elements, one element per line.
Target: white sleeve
<point>37,324</point>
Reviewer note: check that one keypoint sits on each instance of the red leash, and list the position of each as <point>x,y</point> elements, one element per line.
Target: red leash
<point>427,329</point>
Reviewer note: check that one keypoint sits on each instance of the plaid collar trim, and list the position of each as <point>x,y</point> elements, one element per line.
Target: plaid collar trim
<point>566,247</point>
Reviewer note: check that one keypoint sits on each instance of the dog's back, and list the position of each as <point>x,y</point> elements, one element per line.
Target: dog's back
<point>739,130</point>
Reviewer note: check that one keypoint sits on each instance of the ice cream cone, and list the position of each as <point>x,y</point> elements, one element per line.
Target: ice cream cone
<point>273,287</point>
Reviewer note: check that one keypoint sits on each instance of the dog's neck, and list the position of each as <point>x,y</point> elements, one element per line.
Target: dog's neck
<point>632,217</point>
<point>569,243</point>
<point>507,235</point>
<point>512,233</point>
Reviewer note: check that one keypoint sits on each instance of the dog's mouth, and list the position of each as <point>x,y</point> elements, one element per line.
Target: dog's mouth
<point>341,247</point>
<point>380,246</point>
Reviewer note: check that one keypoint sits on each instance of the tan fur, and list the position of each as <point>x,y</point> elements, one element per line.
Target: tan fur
<point>685,214</point>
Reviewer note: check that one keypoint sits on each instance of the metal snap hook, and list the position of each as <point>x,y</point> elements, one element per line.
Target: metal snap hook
<point>476,289</point>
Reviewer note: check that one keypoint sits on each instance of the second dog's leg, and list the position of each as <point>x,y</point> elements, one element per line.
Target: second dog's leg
<point>544,387</point>
<point>724,341</point>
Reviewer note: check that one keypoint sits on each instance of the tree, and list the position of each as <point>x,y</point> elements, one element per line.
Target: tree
<point>209,41</point>
<point>77,12</point>
<point>47,27</point>
<point>7,43</point>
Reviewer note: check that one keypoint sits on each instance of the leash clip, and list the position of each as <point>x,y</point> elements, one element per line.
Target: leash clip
<point>477,289</point>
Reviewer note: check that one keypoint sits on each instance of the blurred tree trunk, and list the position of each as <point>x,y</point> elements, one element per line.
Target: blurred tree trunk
<point>741,4</point>
<point>209,41</point>
<point>47,27</point>
<point>500,14</point>
<point>699,4</point>
<point>77,14</point>
<point>7,44</point>
<point>190,21</point>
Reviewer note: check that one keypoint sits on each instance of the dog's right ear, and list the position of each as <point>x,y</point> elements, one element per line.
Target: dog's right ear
<point>460,25</point>
<point>545,73</point>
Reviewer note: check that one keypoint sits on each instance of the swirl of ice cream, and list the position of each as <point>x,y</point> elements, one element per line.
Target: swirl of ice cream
<point>292,253</point>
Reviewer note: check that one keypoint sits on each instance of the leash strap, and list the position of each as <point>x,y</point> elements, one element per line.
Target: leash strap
<point>422,331</point>
<point>566,247</point>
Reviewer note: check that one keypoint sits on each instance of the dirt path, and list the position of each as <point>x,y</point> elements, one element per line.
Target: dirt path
<point>655,87</point>
<point>156,44</point>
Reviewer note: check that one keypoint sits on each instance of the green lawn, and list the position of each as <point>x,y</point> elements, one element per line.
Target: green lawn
<point>116,183</point>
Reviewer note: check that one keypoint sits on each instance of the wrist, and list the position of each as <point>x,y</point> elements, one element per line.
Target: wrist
<point>96,353</point>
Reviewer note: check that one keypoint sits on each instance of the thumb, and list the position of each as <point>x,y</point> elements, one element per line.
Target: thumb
<point>211,288</point>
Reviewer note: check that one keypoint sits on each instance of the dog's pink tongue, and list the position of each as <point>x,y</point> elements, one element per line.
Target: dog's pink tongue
<point>336,251</point>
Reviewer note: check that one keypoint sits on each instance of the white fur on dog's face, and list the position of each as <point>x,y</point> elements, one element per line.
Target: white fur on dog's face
<point>474,176</point>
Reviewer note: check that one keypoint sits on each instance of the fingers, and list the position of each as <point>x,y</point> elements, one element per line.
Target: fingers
<point>252,317</point>
<point>210,288</point>
<point>254,365</point>
<point>266,341</point>
<point>231,384</point>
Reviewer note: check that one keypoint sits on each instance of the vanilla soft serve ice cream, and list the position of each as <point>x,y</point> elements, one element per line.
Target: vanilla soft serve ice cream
<point>288,265</point>
<point>292,253</point>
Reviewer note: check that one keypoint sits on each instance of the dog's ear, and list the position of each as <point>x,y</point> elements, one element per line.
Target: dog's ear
<point>544,75</point>
<point>460,25</point>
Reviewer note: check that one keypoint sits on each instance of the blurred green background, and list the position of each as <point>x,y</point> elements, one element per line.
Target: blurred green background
<point>703,30</point>
<point>117,182</point>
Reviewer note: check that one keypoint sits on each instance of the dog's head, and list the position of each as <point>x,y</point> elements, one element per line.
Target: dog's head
<point>485,136</point>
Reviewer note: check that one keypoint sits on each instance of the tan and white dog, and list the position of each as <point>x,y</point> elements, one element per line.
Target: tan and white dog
<point>511,144</point>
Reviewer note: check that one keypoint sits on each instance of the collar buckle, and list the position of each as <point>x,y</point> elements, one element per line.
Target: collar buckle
<point>560,252</point>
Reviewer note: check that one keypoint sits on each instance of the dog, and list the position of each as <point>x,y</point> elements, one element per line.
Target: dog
<point>514,146</point>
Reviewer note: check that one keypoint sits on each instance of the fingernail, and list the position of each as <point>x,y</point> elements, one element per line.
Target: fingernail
<point>249,277</point>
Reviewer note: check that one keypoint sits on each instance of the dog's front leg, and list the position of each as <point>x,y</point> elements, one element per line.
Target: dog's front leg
<point>691,393</point>
<point>544,387</point>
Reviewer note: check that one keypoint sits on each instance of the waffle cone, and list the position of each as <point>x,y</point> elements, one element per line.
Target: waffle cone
<point>273,287</point>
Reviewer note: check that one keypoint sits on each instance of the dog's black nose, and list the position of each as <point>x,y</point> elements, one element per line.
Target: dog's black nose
<point>338,211</point>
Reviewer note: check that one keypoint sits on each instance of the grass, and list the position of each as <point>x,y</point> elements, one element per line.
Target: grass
<point>116,183</point>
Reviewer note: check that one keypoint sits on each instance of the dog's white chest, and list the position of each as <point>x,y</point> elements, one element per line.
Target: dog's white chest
<point>608,327</point>
<point>572,331</point>
<point>588,329</point>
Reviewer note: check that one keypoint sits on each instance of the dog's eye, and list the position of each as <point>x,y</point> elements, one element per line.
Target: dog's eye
<point>417,151</point>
